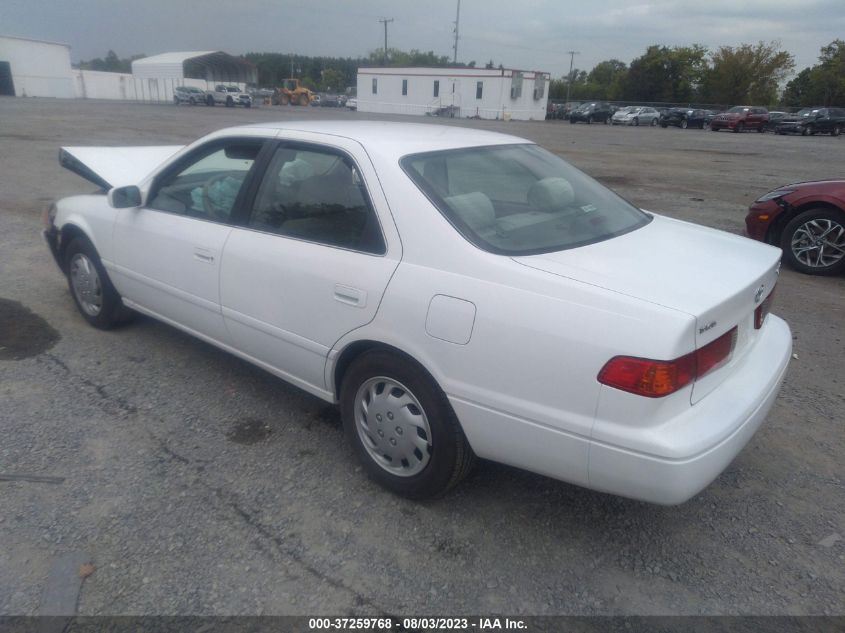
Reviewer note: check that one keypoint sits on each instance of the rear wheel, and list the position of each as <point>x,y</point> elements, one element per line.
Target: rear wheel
<point>402,426</point>
<point>814,242</point>
<point>92,291</point>
<point>807,131</point>
<point>654,122</point>
<point>836,131</point>
<point>684,124</point>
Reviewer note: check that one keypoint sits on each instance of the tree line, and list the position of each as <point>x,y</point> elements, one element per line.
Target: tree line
<point>744,74</point>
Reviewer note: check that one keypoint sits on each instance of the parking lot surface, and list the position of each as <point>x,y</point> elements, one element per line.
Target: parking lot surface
<point>198,484</point>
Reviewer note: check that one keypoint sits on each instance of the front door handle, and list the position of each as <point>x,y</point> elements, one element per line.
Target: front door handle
<point>351,296</point>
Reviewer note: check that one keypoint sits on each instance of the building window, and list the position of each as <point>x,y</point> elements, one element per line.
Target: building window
<point>404,87</point>
<point>479,89</point>
<point>375,85</point>
<point>436,88</point>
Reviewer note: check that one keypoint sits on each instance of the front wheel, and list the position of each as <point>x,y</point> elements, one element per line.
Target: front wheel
<point>814,242</point>
<point>684,124</point>
<point>92,291</point>
<point>636,121</point>
<point>402,426</point>
<point>654,122</point>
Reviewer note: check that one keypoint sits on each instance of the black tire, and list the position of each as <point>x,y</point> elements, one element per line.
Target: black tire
<point>807,131</point>
<point>664,125</point>
<point>230,103</point>
<point>192,101</point>
<point>653,122</point>
<point>793,232</point>
<point>636,121</point>
<point>740,127</point>
<point>112,312</point>
<point>836,131</point>
<point>713,129</point>
<point>209,101</point>
<point>450,456</point>
<point>702,125</point>
<point>684,124</point>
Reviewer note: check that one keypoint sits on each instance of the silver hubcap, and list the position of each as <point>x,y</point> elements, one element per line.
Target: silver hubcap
<point>392,426</point>
<point>819,243</point>
<point>86,284</point>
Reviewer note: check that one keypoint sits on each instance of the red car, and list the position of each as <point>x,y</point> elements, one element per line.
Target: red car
<point>741,118</point>
<point>807,220</point>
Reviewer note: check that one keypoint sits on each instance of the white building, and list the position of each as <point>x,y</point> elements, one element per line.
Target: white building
<point>461,92</point>
<point>154,78</point>
<point>35,68</point>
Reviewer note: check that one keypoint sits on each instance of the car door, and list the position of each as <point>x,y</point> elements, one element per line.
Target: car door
<point>312,261</point>
<point>167,252</point>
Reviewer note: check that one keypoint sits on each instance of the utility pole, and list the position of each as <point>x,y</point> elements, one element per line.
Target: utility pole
<point>572,55</point>
<point>384,56</point>
<point>457,27</point>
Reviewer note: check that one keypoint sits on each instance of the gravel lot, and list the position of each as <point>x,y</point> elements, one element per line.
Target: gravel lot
<point>198,484</point>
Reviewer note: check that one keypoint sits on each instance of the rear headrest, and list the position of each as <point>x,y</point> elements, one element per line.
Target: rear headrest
<point>475,209</point>
<point>551,194</point>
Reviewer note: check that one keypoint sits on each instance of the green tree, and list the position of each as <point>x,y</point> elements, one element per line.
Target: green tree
<point>747,74</point>
<point>824,83</point>
<point>333,80</point>
<point>665,74</point>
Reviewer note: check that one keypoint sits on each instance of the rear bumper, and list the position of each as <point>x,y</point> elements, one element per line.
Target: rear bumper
<point>733,413</point>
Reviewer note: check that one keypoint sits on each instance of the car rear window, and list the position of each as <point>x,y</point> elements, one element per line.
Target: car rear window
<point>520,199</point>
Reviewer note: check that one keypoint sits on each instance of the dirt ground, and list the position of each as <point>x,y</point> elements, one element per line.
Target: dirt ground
<point>198,484</point>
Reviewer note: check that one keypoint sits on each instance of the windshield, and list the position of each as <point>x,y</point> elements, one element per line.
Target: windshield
<point>806,112</point>
<point>232,89</point>
<point>738,109</point>
<point>520,199</point>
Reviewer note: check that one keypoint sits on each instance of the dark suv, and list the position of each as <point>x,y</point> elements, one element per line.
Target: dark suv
<point>740,118</point>
<point>589,112</point>
<point>813,121</point>
<point>684,118</point>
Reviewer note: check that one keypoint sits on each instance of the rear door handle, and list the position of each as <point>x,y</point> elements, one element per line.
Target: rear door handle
<point>349,295</point>
<point>204,255</point>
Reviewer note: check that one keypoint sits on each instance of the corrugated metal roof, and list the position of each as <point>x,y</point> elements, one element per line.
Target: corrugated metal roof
<point>32,39</point>
<point>170,58</point>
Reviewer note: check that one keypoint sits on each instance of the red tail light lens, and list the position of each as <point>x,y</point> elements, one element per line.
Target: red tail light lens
<point>659,378</point>
<point>763,309</point>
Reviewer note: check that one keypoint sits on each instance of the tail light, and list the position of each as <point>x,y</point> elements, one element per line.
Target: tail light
<point>762,310</point>
<point>659,378</point>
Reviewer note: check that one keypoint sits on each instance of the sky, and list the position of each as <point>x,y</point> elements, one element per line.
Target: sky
<point>523,34</point>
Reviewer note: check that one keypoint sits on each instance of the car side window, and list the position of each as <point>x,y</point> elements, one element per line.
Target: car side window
<point>207,186</point>
<point>317,195</point>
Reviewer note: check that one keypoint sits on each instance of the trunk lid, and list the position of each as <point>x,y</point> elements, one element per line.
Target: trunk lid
<point>109,167</point>
<point>716,277</point>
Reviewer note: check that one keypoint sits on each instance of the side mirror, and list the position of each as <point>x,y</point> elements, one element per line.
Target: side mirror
<point>125,197</point>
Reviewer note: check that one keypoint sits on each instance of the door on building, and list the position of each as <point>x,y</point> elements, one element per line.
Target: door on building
<point>7,85</point>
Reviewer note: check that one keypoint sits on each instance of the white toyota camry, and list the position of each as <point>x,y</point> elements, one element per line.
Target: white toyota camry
<point>459,293</point>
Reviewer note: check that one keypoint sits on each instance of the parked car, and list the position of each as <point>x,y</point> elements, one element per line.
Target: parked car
<point>685,118</point>
<point>527,315</point>
<point>811,121</point>
<point>741,118</point>
<point>635,115</point>
<point>776,117</point>
<point>188,94</point>
<point>589,112</point>
<point>352,103</point>
<point>807,220</point>
<point>230,96</point>
<point>450,111</point>
<point>331,101</point>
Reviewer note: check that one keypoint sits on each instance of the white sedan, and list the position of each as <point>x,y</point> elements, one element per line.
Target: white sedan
<point>633,115</point>
<point>459,293</point>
